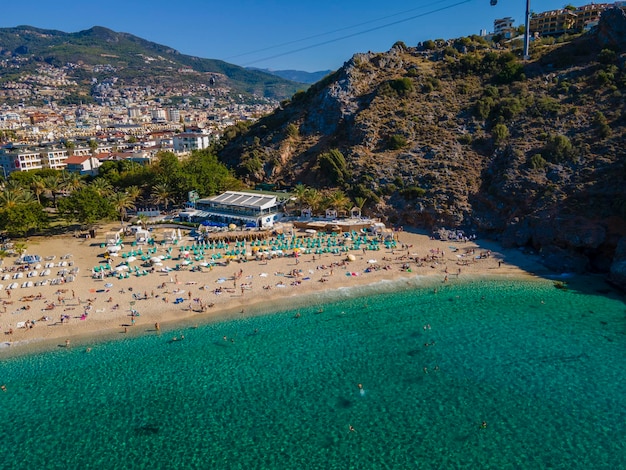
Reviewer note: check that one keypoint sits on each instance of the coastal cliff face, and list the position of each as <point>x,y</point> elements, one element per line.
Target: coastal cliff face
<point>464,134</point>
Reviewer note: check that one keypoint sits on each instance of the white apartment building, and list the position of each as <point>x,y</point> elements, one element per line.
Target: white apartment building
<point>54,158</point>
<point>188,141</point>
<point>174,115</point>
<point>504,26</point>
<point>20,160</point>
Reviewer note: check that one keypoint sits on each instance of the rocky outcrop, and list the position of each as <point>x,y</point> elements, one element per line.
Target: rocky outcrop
<point>564,261</point>
<point>453,136</point>
<point>618,267</point>
<point>612,28</point>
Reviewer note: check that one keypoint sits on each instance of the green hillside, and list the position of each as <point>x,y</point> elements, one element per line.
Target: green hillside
<point>129,58</point>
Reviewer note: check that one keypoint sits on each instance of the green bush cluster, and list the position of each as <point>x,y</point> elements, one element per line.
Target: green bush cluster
<point>402,86</point>
<point>333,165</point>
<point>411,193</point>
<point>558,149</point>
<point>396,142</point>
<point>537,162</point>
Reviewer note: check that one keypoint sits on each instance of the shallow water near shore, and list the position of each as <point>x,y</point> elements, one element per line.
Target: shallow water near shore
<point>544,368</point>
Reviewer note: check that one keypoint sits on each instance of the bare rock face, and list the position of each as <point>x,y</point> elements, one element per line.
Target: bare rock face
<point>339,101</point>
<point>574,233</point>
<point>618,267</point>
<point>562,260</point>
<point>612,28</point>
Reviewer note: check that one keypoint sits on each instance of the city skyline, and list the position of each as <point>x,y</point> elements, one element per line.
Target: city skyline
<point>276,35</point>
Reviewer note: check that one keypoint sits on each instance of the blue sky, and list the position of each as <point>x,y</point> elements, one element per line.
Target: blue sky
<point>275,34</point>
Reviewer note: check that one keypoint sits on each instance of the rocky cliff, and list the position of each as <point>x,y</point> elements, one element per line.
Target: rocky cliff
<point>463,133</point>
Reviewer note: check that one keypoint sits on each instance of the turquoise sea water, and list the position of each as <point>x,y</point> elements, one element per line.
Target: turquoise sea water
<point>545,368</point>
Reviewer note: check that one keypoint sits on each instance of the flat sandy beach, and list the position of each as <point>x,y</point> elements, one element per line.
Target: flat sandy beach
<point>80,312</point>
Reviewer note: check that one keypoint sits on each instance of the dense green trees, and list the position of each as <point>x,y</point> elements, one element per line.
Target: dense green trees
<point>85,206</point>
<point>120,187</point>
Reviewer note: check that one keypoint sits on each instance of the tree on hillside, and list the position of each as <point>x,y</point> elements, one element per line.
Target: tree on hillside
<point>332,164</point>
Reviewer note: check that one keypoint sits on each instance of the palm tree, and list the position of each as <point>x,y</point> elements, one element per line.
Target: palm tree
<point>3,254</point>
<point>122,202</point>
<point>71,181</point>
<point>13,194</point>
<point>38,187</point>
<point>102,187</point>
<point>20,248</point>
<point>161,194</point>
<point>143,220</point>
<point>133,192</point>
<point>52,183</point>
<point>312,197</point>
<point>338,200</point>
<point>299,191</point>
<point>360,203</point>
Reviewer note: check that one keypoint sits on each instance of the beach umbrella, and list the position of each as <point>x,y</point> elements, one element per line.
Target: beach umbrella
<point>108,285</point>
<point>130,259</point>
<point>372,261</point>
<point>121,267</point>
<point>351,257</point>
<point>232,226</point>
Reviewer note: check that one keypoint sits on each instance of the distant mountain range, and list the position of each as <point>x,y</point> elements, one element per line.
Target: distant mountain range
<point>102,54</point>
<point>297,75</point>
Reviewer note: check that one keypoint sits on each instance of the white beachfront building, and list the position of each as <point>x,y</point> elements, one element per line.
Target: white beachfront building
<point>241,208</point>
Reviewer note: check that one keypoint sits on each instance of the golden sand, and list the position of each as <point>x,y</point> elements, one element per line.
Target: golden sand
<point>31,317</point>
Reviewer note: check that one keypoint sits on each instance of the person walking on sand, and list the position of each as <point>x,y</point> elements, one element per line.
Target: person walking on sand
<point>157,326</point>
<point>67,343</point>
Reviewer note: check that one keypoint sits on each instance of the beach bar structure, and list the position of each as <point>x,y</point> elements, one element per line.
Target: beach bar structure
<point>112,238</point>
<point>241,208</point>
<point>142,236</point>
<point>170,236</point>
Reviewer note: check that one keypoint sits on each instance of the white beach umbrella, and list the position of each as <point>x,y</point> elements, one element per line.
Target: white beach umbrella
<point>130,259</point>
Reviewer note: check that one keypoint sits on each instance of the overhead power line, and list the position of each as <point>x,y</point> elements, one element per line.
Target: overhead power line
<point>330,41</point>
<point>315,36</point>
